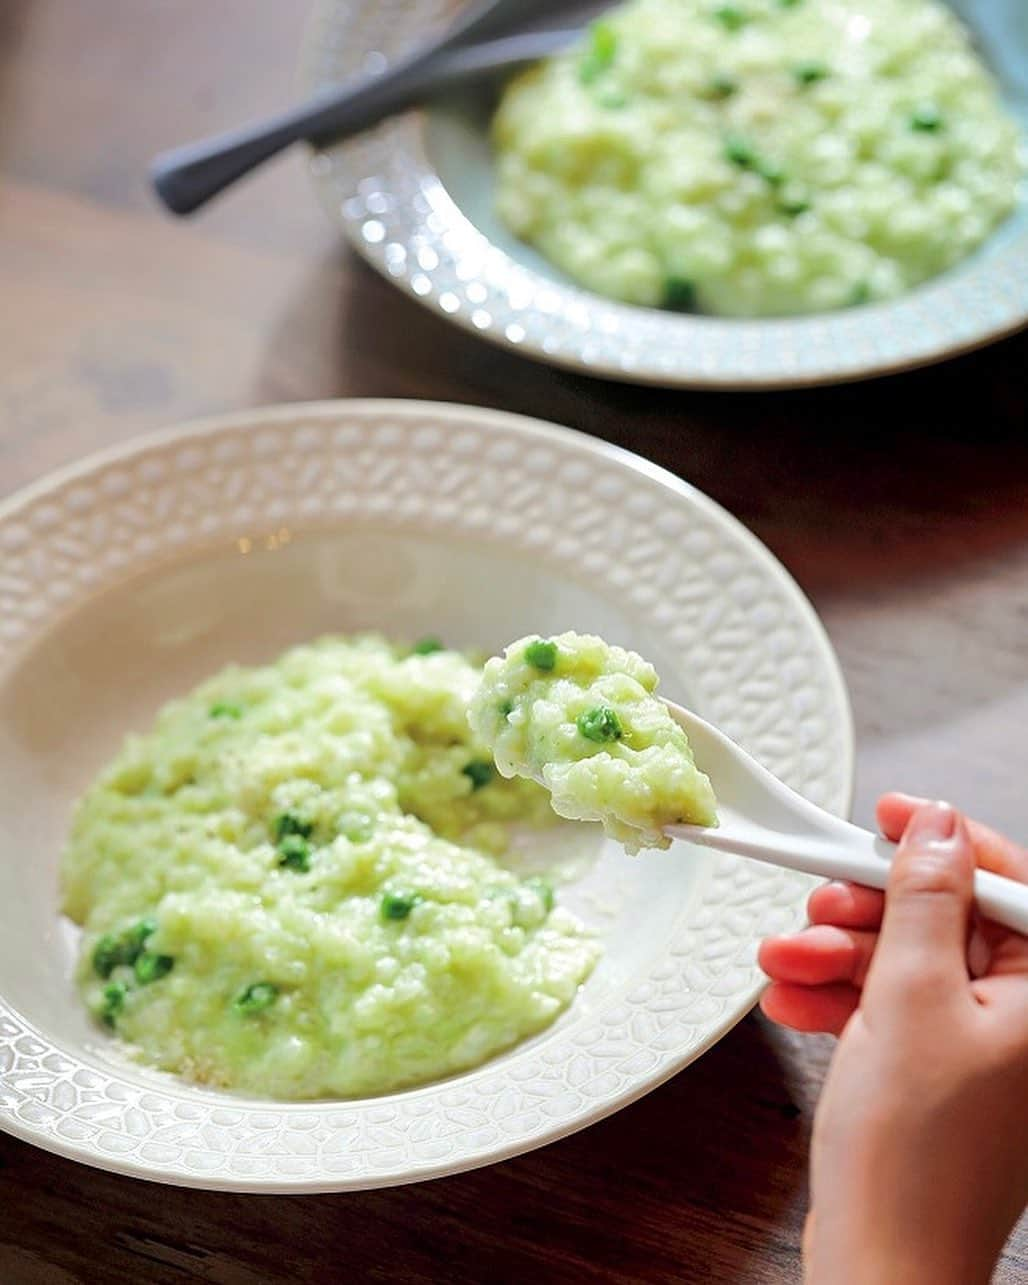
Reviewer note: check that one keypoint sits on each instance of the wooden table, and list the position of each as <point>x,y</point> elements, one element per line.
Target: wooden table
<point>901,507</point>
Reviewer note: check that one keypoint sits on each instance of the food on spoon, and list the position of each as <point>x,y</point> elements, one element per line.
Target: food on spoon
<point>580,717</point>
<point>758,158</point>
<point>291,885</point>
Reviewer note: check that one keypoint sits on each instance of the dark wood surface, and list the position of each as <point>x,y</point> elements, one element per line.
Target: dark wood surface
<point>901,506</point>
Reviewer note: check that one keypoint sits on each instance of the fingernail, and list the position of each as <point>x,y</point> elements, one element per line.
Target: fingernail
<point>932,823</point>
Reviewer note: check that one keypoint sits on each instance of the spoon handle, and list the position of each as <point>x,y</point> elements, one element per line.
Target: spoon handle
<point>856,855</point>
<point>187,177</point>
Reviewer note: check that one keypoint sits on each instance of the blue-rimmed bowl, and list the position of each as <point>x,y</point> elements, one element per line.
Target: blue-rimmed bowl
<point>415,198</point>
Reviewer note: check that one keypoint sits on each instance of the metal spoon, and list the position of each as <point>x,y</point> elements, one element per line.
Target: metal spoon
<point>188,176</point>
<point>766,820</point>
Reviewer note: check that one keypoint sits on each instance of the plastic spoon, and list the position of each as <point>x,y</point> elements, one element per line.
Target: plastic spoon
<point>766,820</point>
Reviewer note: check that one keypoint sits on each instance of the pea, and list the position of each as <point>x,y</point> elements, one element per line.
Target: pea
<point>793,205</point>
<point>106,955</point>
<point>225,709</point>
<point>600,724</point>
<point>151,968</point>
<point>731,17</point>
<point>256,998</point>
<point>543,889</point>
<point>809,73</point>
<point>603,46</point>
<point>542,654</point>
<point>295,853</point>
<point>926,118</point>
<point>679,294</point>
<point>113,949</point>
<point>479,772</point>
<point>720,87</point>
<point>398,905</point>
<point>288,823</point>
<point>740,151</point>
<point>112,1002</point>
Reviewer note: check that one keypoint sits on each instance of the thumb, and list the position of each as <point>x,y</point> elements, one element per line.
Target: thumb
<point>928,900</point>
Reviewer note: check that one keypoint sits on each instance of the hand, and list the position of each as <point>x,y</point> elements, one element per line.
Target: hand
<point>919,1162</point>
<point>817,974</point>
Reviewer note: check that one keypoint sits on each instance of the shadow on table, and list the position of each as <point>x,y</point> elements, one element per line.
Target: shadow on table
<point>867,483</point>
<point>702,1180</point>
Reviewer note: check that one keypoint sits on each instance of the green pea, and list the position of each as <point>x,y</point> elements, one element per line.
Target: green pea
<point>479,772</point>
<point>106,955</point>
<point>398,905</point>
<point>112,1002</point>
<point>290,823</point>
<point>740,151</point>
<point>256,998</point>
<point>542,654</point>
<point>793,205</point>
<point>151,968</point>
<point>770,171</point>
<point>926,118</point>
<point>679,294</point>
<point>731,17</point>
<point>809,73</point>
<point>426,646</point>
<point>600,724</point>
<point>295,853</point>
<point>145,928</point>
<point>113,949</point>
<point>720,87</point>
<point>225,709</point>
<point>543,889</point>
<point>603,47</point>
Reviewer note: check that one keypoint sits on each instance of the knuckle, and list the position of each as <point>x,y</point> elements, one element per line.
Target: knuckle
<point>914,974</point>
<point>926,874</point>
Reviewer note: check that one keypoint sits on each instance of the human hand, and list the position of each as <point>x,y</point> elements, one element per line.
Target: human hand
<point>920,1153</point>
<point>818,973</point>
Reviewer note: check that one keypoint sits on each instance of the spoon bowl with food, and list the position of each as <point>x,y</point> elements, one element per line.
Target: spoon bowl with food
<point>582,718</point>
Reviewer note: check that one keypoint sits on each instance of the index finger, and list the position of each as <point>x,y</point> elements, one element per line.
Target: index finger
<point>992,850</point>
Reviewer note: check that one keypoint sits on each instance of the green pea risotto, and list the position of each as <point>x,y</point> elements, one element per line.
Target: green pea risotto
<point>289,886</point>
<point>758,158</point>
<point>580,717</point>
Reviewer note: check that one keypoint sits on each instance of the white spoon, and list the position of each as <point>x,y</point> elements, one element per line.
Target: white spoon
<point>766,820</point>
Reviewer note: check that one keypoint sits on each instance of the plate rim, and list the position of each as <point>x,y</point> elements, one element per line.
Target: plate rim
<point>480,417</point>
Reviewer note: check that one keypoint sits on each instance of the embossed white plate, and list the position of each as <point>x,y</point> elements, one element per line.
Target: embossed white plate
<point>128,578</point>
<point>415,198</point>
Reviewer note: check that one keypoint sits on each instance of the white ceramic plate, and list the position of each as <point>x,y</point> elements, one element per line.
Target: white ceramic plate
<point>127,579</point>
<point>415,198</point>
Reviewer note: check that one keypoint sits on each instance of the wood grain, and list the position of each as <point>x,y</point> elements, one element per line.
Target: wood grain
<point>901,506</point>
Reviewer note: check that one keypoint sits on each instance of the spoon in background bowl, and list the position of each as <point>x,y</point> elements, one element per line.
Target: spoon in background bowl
<point>759,817</point>
<point>484,39</point>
